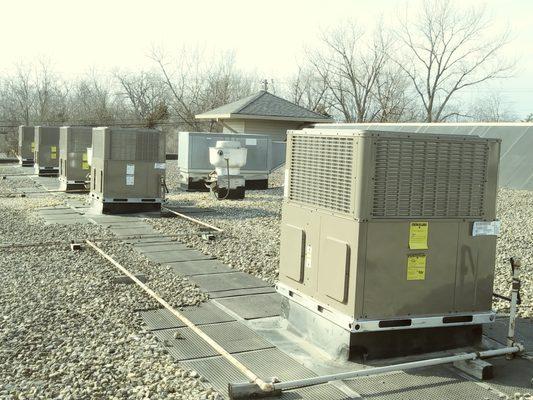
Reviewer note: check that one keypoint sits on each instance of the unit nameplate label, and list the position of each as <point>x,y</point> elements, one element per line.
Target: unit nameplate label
<point>486,228</point>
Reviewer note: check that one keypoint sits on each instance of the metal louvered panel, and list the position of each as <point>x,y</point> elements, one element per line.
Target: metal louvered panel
<point>123,145</point>
<point>426,178</point>
<point>98,143</point>
<point>139,146</point>
<point>321,171</point>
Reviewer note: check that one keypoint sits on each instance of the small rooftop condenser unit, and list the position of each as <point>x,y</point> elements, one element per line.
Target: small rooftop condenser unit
<point>389,231</point>
<point>74,169</point>
<point>26,145</point>
<point>127,169</point>
<point>46,155</point>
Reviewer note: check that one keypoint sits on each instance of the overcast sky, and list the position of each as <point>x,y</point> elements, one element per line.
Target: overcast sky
<point>267,36</point>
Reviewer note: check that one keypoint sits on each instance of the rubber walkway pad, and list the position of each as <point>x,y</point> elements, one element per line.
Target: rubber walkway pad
<point>234,280</point>
<point>199,267</point>
<point>206,313</point>
<point>184,344</point>
<point>512,376</point>
<point>266,364</point>
<point>156,247</point>
<point>176,255</point>
<point>254,306</point>
<point>241,292</point>
<point>420,384</point>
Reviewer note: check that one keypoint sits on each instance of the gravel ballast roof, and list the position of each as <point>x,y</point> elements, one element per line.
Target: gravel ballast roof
<point>67,330</point>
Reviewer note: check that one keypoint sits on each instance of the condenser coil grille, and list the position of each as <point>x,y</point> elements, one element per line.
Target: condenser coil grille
<point>321,171</point>
<point>424,178</point>
<point>134,146</point>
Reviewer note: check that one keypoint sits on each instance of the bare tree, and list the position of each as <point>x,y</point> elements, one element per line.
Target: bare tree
<point>310,90</point>
<point>50,95</point>
<point>491,109</point>
<point>197,83</point>
<point>147,95</point>
<point>445,50</point>
<point>91,101</point>
<point>352,64</point>
<point>18,96</point>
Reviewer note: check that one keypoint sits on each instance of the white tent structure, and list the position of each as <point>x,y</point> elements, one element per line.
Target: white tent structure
<point>516,157</point>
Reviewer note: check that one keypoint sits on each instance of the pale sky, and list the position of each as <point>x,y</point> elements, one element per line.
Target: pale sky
<point>267,36</point>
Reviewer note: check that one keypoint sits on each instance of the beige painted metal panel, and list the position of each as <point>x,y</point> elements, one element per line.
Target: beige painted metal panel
<point>26,142</point>
<point>388,292</point>
<point>73,144</point>
<point>357,259</point>
<point>295,237</point>
<point>46,146</point>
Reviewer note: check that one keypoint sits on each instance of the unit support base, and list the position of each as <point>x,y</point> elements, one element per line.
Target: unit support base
<point>342,344</point>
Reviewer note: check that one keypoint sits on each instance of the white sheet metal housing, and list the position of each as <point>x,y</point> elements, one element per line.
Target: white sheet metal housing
<point>193,156</point>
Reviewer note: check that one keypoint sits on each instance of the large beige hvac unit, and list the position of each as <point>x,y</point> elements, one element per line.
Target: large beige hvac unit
<point>127,169</point>
<point>26,145</point>
<point>46,155</point>
<point>389,231</point>
<point>74,169</point>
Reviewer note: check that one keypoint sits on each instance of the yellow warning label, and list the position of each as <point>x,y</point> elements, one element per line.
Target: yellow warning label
<point>416,267</point>
<point>84,157</point>
<point>418,235</point>
<point>53,156</point>
<point>32,146</point>
<point>85,165</point>
<point>53,149</point>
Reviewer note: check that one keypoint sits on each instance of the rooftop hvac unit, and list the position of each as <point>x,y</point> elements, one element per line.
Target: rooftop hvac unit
<point>386,231</point>
<point>26,145</point>
<point>226,182</point>
<point>74,170</point>
<point>194,164</point>
<point>127,169</point>
<point>46,155</point>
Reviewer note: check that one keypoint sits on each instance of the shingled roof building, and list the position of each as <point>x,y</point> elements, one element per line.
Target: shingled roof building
<point>263,113</point>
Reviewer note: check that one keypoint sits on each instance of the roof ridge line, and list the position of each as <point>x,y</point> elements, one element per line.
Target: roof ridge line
<point>254,99</point>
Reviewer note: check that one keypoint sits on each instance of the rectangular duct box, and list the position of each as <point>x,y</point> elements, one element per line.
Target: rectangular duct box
<point>26,145</point>
<point>46,155</point>
<point>74,168</point>
<point>194,165</point>
<point>127,169</point>
<point>377,227</point>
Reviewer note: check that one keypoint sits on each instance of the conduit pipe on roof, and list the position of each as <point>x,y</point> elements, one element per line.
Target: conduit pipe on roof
<point>249,390</point>
<point>265,387</point>
<point>196,221</point>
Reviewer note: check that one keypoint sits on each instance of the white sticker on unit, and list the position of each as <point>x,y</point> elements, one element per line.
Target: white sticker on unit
<point>486,228</point>
<point>160,165</point>
<point>130,180</point>
<point>130,169</point>
<point>286,184</point>
<point>251,142</point>
<point>308,253</point>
